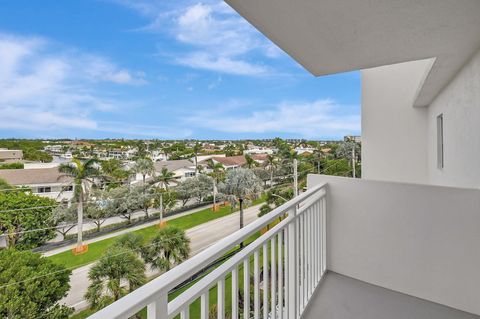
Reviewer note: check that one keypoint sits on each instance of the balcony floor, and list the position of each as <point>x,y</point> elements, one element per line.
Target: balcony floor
<point>340,297</point>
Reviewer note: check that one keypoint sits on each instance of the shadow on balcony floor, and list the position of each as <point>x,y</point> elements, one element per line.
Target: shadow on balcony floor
<point>340,297</point>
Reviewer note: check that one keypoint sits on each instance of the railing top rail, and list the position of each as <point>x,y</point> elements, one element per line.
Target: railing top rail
<point>141,297</point>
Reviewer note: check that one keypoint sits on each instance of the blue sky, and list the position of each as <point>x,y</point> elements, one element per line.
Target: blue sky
<point>158,69</point>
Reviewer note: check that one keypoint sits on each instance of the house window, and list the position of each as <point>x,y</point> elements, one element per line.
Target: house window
<point>440,158</point>
<point>190,174</point>
<point>67,188</point>
<point>45,189</point>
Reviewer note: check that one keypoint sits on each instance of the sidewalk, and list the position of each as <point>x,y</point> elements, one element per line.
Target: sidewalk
<point>120,232</point>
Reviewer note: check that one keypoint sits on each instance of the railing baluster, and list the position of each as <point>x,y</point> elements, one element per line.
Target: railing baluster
<point>287,271</point>
<point>292,268</point>
<point>317,243</point>
<point>246,288</point>
<point>298,276</point>
<point>302,262</point>
<point>185,314</point>
<point>280,274</point>
<point>312,250</point>
<point>265,280</point>
<point>273,271</point>
<point>308,235</point>
<point>256,284</point>
<point>204,305</point>
<point>159,308</point>
<point>324,234</point>
<point>235,293</point>
<point>221,299</point>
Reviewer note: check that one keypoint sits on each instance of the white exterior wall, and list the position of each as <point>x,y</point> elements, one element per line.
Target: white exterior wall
<point>421,240</point>
<point>394,133</point>
<point>459,103</point>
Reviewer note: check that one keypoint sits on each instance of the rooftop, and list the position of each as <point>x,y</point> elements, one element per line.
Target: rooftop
<point>33,176</point>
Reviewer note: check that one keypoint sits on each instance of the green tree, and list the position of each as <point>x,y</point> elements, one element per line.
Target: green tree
<point>144,167</point>
<point>124,201</point>
<point>31,286</point>
<point>241,184</point>
<point>64,217</point>
<point>250,162</point>
<point>107,276</point>
<point>131,241</point>
<point>169,247</point>
<point>217,173</point>
<point>271,164</point>
<point>5,186</point>
<point>82,174</point>
<point>185,191</point>
<point>163,179</point>
<point>26,219</point>
<point>197,148</point>
<point>114,172</point>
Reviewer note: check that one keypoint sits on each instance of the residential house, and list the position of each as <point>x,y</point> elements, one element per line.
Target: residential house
<point>182,169</point>
<point>402,242</point>
<point>230,162</point>
<point>47,182</point>
<point>258,150</point>
<point>9,156</point>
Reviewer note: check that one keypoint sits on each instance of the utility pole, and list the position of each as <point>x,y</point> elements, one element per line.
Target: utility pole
<point>353,162</point>
<point>295,177</point>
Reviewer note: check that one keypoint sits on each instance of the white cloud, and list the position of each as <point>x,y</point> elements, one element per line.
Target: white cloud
<point>318,119</point>
<point>206,61</point>
<point>44,86</point>
<point>221,40</point>
<point>100,69</point>
<point>214,37</point>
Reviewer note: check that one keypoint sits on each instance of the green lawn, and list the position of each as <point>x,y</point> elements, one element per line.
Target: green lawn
<point>97,249</point>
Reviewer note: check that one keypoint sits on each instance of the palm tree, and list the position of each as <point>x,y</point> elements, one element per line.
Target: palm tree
<point>169,247</point>
<point>107,275</point>
<point>196,149</point>
<point>114,173</point>
<point>241,184</point>
<point>272,165</point>
<point>82,174</point>
<point>217,173</point>
<point>144,166</point>
<point>164,179</point>
<point>250,162</point>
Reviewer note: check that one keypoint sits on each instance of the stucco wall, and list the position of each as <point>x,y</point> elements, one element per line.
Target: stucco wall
<point>393,131</point>
<point>421,240</point>
<point>459,103</point>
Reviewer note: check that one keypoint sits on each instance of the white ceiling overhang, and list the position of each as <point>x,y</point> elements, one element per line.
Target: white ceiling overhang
<point>333,36</point>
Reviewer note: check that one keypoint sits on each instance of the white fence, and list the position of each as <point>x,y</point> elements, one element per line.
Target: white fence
<point>273,277</point>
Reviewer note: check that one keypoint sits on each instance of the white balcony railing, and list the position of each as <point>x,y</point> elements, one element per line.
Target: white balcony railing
<point>278,271</point>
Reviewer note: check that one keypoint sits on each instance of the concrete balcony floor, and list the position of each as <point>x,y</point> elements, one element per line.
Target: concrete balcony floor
<point>340,297</point>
